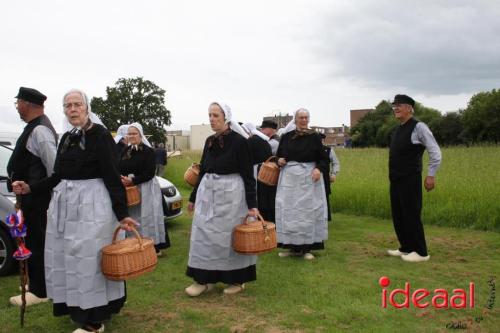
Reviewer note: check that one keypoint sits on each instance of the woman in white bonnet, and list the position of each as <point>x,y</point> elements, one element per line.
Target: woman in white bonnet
<point>137,167</point>
<point>301,211</point>
<point>87,202</point>
<point>224,195</point>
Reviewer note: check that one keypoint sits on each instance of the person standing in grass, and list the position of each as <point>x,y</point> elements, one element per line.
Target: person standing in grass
<point>87,202</point>
<point>330,173</point>
<point>301,212</point>
<point>137,168</point>
<point>161,159</point>
<point>223,196</point>
<point>33,159</point>
<point>408,142</point>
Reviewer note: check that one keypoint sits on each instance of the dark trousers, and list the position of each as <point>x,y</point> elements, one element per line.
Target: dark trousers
<point>406,206</point>
<point>36,221</point>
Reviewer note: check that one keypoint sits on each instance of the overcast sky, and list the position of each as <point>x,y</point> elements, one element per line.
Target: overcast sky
<point>260,57</point>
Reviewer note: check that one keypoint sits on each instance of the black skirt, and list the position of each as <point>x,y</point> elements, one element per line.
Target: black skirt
<point>266,201</point>
<point>236,276</point>
<point>95,315</point>
<point>89,316</point>
<point>302,247</point>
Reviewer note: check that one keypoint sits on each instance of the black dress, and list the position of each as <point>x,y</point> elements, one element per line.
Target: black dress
<point>226,154</point>
<point>98,160</point>
<point>141,162</point>
<point>303,147</point>
<point>266,195</point>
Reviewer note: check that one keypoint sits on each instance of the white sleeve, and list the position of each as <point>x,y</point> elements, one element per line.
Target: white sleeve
<point>423,135</point>
<point>42,144</point>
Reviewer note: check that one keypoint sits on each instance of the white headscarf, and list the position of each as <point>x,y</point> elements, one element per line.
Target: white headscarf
<point>291,125</point>
<point>230,121</point>
<point>121,132</point>
<point>139,128</point>
<point>93,117</point>
<point>254,131</point>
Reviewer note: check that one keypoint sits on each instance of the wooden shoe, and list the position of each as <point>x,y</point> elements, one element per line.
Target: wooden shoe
<point>415,257</point>
<point>308,256</point>
<point>396,253</point>
<point>31,299</point>
<point>197,289</point>
<point>86,329</point>
<point>234,289</point>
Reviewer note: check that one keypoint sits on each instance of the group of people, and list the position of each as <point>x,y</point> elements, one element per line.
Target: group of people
<point>73,198</point>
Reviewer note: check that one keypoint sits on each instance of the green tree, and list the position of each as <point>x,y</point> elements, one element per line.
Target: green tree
<point>481,118</point>
<point>134,100</point>
<point>375,129</point>
<point>449,130</point>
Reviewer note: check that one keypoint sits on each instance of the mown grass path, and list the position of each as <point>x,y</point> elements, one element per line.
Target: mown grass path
<point>337,292</point>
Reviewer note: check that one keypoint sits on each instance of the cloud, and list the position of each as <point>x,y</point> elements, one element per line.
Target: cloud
<point>428,47</point>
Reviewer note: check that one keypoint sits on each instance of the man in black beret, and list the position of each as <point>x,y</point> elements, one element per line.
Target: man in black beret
<point>33,159</point>
<point>408,142</point>
<point>329,173</point>
<point>269,128</point>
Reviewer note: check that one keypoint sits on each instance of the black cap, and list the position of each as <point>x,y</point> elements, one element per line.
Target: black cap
<point>269,124</point>
<point>403,99</point>
<point>31,95</point>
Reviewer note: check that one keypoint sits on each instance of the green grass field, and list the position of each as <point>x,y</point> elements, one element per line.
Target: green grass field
<point>466,195</point>
<point>338,291</point>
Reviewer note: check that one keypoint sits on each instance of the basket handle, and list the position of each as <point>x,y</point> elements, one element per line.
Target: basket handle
<point>271,157</point>
<point>264,226</point>
<point>195,167</point>
<point>136,233</point>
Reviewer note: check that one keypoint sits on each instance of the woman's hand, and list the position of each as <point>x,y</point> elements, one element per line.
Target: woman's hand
<point>20,187</point>
<point>316,174</point>
<point>190,206</point>
<point>128,223</point>
<point>281,162</point>
<point>126,181</point>
<point>253,212</point>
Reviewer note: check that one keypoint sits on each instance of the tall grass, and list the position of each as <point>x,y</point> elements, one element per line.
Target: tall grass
<point>467,193</point>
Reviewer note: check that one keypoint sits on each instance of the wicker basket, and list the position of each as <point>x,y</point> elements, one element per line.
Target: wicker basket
<point>133,195</point>
<point>128,258</point>
<point>191,174</point>
<point>269,172</point>
<point>254,237</point>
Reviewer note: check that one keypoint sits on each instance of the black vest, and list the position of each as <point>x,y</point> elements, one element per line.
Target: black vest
<point>23,165</point>
<point>405,158</point>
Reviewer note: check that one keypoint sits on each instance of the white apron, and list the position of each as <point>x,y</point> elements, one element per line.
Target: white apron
<point>149,213</point>
<point>301,211</point>
<point>80,222</point>
<point>220,206</point>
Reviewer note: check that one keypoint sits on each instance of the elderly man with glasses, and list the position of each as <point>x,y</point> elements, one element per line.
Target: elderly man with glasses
<point>33,159</point>
<point>408,142</point>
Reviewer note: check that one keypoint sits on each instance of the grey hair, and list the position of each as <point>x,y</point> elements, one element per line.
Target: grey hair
<point>301,110</point>
<point>81,93</point>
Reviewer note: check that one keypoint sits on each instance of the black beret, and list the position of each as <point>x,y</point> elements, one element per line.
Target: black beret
<point>31,95</point>
<point>269,124</point>
<point>403,99</point>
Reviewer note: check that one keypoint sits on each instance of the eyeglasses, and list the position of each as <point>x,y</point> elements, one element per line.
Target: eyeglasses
<point>68,106</point>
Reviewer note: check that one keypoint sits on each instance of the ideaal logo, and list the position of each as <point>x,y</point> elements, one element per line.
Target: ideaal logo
<point>422,298</point>
<point>459,299</point>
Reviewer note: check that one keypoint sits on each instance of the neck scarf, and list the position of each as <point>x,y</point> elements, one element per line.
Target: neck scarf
<point>219,138</point>
<point>77,136</point>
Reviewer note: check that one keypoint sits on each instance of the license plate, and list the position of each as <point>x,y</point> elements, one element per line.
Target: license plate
<point>177,204</point>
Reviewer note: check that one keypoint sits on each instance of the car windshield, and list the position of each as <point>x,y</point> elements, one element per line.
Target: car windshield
<point>4,159</point>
